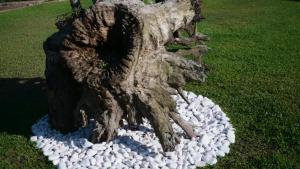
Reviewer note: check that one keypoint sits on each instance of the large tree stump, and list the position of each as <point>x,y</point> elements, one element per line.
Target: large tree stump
<point>110,63</point>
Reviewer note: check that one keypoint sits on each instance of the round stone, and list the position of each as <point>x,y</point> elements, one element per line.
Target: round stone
<point>53,157</point>
<point>204,140</point>
<point>62,165</point>
<point>91,153</point>
<point>56,161</point>
<point>33,138</point>
<point>87,144</point>
<point>93,161</point>
<point>74,157</point>
<point>231,136</point>
<point>85,162</point>
<point>98,147</point>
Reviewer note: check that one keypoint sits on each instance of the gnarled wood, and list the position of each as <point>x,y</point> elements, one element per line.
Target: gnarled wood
<point>110,63</point>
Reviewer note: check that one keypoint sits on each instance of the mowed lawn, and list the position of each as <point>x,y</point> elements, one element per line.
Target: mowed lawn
<point>254,76</point>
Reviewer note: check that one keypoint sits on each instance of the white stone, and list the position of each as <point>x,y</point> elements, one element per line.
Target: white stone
<point>194,104</point>
<point>204,140</point>
<point>48,152</point>
<point>216,108</point>
<point>153,165</point>
<point>112,158</point>
<point>212,161</point>
<point>56,161</point>
<point>106,164</point>
<point>98,147</point>
<point>47,147</point>
<point>93,161</point>
<point>115,147</point>
<point>207,102</point>
<point>78,150</point>
<point>91,153</point>
<point>191,96</point>
<point>231,136</point>
<point>225,142</point>
<point>33,138</point>
<point>225,149</point>
<point>171,155</point>
<point>62,165</point>
<point>74,157</point>
<point>99,159</point>
<point>208,157</point>
<point>220,153</point>
<point>85,162</point>
<point>200,163</point>
<point>126,155</point>
<point>53,157</point>
<point>40,145</point>
<point>81,155</point>
<point>87,144</point>
<point>136,166</point>
<point>172,165</point>
<point>191,160</point>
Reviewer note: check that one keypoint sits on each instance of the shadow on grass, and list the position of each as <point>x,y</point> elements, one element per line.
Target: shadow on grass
<point>22,103</point>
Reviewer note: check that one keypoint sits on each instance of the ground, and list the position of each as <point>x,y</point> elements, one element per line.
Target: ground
<point>254,75</point>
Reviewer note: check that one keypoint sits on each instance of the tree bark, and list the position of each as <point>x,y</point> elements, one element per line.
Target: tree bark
<point>110,63</point>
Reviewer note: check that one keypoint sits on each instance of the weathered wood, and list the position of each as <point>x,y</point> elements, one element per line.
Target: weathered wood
<point>110,63</point>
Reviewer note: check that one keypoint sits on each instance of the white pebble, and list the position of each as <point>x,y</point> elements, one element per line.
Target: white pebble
<point>207,102</point>
<point>56,161</point>
<point>33,138</point>
<point>204,140</point>
<point>231,136</point>
<point>98,147</point>
<point>106,164</point>
<point>209,156</point>
<point>225,149</point>
<point>153,165</point>
<point>62,165</point>
<point>87,144</point>
<point>85,162</point>
<point>172,165</point>
<point>91,153</point>
<point>53,157</point>
<point>93,161</point>
<point>74,157</point>
<point>48,152</point>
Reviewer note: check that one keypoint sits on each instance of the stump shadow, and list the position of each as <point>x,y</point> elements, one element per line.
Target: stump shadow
<point>22,102</point>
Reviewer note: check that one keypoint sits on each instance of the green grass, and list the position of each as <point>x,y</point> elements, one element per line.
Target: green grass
<point>254,76</point>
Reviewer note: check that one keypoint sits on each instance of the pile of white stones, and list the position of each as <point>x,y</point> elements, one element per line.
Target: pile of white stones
<point>141,148</point>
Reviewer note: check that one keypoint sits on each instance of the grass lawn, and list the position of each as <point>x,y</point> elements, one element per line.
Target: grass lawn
<point>254,76</point>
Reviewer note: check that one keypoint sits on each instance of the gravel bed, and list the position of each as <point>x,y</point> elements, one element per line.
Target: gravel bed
<point>140,148</point>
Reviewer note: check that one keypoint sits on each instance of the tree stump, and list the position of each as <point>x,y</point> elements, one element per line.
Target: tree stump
<point>110,63</point>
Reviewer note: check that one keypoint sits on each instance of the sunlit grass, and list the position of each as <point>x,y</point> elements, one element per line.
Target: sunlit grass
<point>254,75</point>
